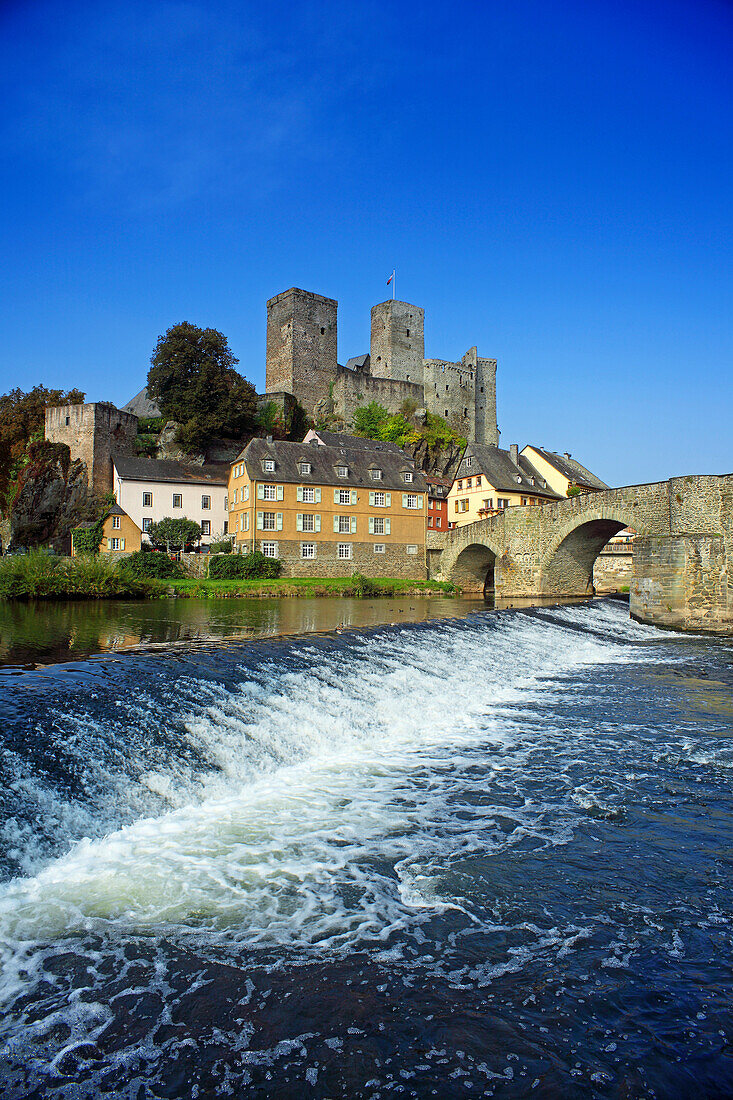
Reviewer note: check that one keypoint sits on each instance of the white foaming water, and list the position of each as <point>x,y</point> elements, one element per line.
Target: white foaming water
<point>330,807</point>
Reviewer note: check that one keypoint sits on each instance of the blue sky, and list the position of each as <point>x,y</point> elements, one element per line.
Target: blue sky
<point>552,181</point>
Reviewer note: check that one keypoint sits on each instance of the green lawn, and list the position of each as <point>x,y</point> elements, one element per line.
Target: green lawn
<point>301,586</point>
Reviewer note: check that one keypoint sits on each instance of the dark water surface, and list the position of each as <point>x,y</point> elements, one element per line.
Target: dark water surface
<point>487,856</point>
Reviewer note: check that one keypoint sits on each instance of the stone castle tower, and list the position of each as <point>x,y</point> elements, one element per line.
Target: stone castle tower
<point>94,433</point>
<point>302,361</point>
<point>301,345</point>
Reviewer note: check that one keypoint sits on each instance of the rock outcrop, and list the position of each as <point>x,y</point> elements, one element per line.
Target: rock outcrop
<point>53,496</point>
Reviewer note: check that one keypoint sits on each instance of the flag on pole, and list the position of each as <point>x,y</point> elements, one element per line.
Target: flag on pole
<point>389,280</point>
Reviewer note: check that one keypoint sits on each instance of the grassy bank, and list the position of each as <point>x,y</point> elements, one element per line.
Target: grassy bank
<point>307,586</point>
<point>42,576</point>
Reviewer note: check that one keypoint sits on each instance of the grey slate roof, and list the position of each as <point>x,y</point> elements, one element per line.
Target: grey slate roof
<point>571,469</point>
<point>141,405</point>
<point>392,462</point>
<point>356,442</point>
<point>357,362</point>
<point>138,468</point>
<point>497,467</point>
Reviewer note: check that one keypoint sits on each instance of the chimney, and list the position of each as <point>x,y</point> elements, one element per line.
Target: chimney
<point>514,453</point>
<point>268,439</point>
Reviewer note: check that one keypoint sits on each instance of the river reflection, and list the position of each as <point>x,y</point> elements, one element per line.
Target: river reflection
<point>47,632</point>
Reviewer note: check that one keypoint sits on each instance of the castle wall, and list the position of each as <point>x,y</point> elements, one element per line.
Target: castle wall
<point>352,389</point>
<point>301,345</point>
<point>93,434</point>
<point>398,341</point>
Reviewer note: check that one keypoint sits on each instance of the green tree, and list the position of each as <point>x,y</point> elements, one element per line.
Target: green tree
<point>174,533</point>
<point>193,380</point>
<point>22,420</point>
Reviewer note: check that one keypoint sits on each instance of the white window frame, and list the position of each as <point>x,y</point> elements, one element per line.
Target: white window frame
<point>344,525</point>
<point>206,527</point>
<point>345,551</point>
<point>375,475</point>
<point>410,498</point>
<point>178,497</point>
<point>269,492</point>
<point>344,496</point>
<point>469,462</point>
<point>269,466</point>
<point>147,524</point>
<point>116,523</point>
<point>304,468</point>
<point>378,525</point>
<point>380,548</point>
<point>309,494</point>
<point>412,548</point>
<point>147,500</point>
<point>269,549</point>
<point>380,503</point>
<point>269,521</point>
<point>308,522</point>
<point>408,477</point>
<point>308,550</point>
<point>342,471</point>
<point>205,502</point>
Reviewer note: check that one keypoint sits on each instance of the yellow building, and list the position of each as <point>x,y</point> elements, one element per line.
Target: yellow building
<point>330,510</point>
<point>490,479</point>
<point>120,534</point>
<point>561,472</point>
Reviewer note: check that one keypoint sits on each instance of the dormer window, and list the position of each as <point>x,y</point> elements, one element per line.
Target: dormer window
<point>408,476</point>
<point>304,467</point>
<point>519,479</point>
<point>269,465</point>
<point>469,461</point>
<point>342,471</point>
<point>375,474</point>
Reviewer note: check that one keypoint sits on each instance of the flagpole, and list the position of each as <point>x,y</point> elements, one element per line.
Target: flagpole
<point>394,282</point>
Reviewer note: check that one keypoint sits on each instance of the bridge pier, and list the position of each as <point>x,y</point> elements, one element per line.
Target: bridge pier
<point>681,582</point>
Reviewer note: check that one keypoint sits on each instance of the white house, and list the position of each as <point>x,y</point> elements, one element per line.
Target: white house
<point>151,489</point>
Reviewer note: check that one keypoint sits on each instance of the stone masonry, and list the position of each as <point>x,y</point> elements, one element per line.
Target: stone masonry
<point>683,551</point>
<point>93,434</point>
<point>302,360</point>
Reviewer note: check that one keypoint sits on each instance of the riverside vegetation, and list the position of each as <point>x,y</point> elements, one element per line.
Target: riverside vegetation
<point>146,575</point>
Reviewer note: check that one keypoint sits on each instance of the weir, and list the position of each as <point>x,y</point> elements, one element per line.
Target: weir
<point>682,554</point>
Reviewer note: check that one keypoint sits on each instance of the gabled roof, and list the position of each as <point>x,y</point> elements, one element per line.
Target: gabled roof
<point>138,468</point>
<point>141,405</point>
<point>354,442</point>
<point>392,462</point>
<point>569,468</point>
<point>357,362</point>
<point>505,475</point>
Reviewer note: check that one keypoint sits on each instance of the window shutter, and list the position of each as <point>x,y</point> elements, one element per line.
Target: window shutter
<point>299,492</point>
<point>318,496</point>
<point>246,522</point>
<point>371,499</point>
<point>420,500</point>
<point>387,526</point>
<point>109,544</point>
<point>260,492</point>
<point>353,496</point>
<point>279,492</point>
<point>404,500</point>
<point>335,496</point>
<point>299,522</point>
<point>371,525</point>
<point>318,522</point>
<point>388,499</point>
<point>259,521</point>
<point>122,544</point>
<point>246,493</point>
<point>279,521</point>
<point>353,525</point>
<point>336,523</point>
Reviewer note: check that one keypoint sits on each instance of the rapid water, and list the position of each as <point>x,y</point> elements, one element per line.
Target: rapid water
<point>487,856</point>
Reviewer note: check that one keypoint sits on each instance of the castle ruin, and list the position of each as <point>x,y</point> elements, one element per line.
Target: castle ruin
<point>302,362</point>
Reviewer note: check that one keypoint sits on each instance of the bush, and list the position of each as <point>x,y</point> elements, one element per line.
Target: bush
<point>143,564</point>
<point>38,576</point>
<point>364,587</point>
<point>246,567</point>
<point>222,546</point>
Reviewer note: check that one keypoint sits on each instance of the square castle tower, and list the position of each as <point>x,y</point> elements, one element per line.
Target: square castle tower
<point>302,361</point>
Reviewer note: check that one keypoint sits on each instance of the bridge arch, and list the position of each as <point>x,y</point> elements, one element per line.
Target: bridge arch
<point>472,567</point>
<point>566,567</point>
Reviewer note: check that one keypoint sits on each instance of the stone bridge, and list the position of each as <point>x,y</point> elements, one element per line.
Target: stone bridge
<point>683,551</point>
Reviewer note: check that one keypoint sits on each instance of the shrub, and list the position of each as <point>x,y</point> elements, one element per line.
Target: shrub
<point>38,575</point>
<point>573,491</point>
<point>144,564</point>
<point>245,567</point>
<point>87,540</point>
<point>222,546</point>
<point>363,587</point>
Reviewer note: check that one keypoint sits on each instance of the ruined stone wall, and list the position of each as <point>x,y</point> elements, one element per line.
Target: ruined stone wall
<point>398,341</point>
<point>464,394</point>
<point>301,346</point>
<point>352,389</point>
<point>93,433</point>
<point>612,572</point>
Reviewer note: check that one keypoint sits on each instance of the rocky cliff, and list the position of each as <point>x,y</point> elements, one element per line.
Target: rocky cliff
<point>52,497</point>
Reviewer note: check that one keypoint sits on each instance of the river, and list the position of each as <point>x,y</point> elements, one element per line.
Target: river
<point>486,855</point>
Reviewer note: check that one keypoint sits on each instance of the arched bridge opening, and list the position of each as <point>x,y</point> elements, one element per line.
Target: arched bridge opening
<point>474,571</point>
<point>568,567</point>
